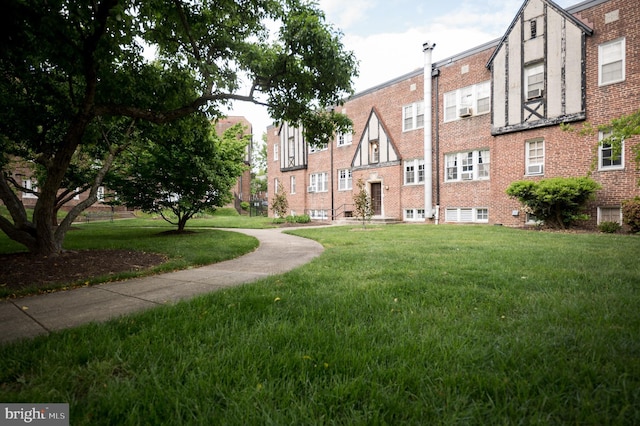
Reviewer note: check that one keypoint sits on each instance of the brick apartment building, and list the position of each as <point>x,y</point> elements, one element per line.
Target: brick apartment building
<point>445,152</point>
<point>242,189</point>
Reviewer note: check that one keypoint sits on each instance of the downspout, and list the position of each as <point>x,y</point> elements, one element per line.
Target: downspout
<point>436,74</point>
<point>428,155</point>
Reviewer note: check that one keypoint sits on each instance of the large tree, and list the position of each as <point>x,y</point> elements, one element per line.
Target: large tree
<point>187,168</point>
<point>75,84</point>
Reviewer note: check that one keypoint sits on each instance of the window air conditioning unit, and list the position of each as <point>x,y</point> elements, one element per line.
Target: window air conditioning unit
<point>534,169</point>
<point>535,93</point>
<point>311,189</point>
<point>467,175</point>
<point>464,112</point>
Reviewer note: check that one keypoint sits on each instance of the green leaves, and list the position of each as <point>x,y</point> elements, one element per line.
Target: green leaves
<point>556,201</point>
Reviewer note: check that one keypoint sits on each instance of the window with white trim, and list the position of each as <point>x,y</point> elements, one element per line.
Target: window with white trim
<point>292,147</point>
<point>318,182</point>
<point>413,116</point>
<point>100,193</point>
<point>467,215</point>
<point>293,185</point>
<point>534,161</point>
<point>344,180</point>
<point>610,214</point>
<point>611,62</point>
<point>29,185</point>
<point>313,148</point>
<point>534,80</point>
<point>275,152</point>
<point>317,214</point>
<point>343,139</point>
<point>414,214</point>
<point>467,101</point>
<point>610,157</point>
<point>276,185</point>
<point>469,165</point>
<point>414,171</point>
<point>374,152</point>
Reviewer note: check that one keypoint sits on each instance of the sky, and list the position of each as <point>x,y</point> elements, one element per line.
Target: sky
<point>386,36</point>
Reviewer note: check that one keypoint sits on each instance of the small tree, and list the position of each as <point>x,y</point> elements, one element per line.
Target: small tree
<point>556,201</point>
<point>186,170</point>
<point>279,204</point>
<point>362,201</point>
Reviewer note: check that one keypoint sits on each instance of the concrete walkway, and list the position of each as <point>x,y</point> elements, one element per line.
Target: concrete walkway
<point>30,316</point>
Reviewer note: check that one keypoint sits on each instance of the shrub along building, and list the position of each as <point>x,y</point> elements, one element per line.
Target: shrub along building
<point>445,151</point>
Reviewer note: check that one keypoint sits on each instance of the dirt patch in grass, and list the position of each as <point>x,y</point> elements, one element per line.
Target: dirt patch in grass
<point>22,270</point>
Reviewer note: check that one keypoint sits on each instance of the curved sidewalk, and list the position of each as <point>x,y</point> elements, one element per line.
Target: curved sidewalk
<point>31,316</point>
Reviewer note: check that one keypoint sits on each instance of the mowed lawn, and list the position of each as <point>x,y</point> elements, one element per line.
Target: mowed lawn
<point>403,324</point>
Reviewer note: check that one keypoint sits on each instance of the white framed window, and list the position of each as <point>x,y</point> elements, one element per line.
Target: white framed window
<point>467,215</point>
<point>276,185</point>
<point>30,185</point>
<point>467,101</point>
<point>608,156</point>
<point>318,182</point>
<point>413,116</point>
<point>534,83</point>
<point>469,165</point>
<point>344,180</point>
<point>374,152</point>
<point>414,172</point>
<point>100,193</point>
<point>275,152</point>
<point>77,194</point>
<point>313,149</point>
<point>317,214</point>
<point>611,62</point>
<point>534,161</point>
<point>343,139</point>
<point>292,147</point>
<point>414,214</point>
<point>292,181</point>
<point>610,214</point>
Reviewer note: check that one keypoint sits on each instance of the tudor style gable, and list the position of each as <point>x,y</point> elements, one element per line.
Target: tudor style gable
<point>376,148</point>
<point>538,69</point>
<point>292,148</point>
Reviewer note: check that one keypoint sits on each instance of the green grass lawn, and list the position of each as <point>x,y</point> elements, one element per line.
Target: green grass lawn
<point>403,324</point>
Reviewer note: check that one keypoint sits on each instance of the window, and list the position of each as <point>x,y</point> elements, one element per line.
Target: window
<point>374,152</point>
<point>413,116</point>
<point>292,147</point>
<point>293,185</point>
<point>344,139</point>
<point>611,62</point>
<point>470,165</point>
<point>535,157</point>
<point>413,171</point>
<point>313,148</point>
<point>276,185</point>
<point>344,180</point>
<point>318,182</point>
<point>533,26</point>
<point>317,214</point>
<point>534,75</point>
<point>31,186</point>
<point>610,157</point>
<point>467,215</point>
<point>467,101</point>
<point>275,152</point>
<point>414,214</point>
<point>610,214</point>
<point>100,193</point>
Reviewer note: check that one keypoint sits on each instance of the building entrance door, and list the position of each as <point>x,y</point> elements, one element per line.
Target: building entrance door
<point>376,198</point>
